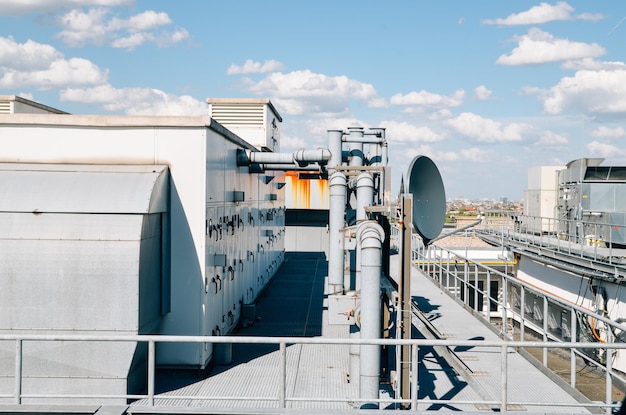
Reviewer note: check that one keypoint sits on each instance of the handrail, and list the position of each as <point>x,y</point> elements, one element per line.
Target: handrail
<point>436,263</point>
<point>504,345</point>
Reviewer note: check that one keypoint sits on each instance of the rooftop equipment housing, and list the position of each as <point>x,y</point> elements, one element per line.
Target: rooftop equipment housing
<point>127,224</point>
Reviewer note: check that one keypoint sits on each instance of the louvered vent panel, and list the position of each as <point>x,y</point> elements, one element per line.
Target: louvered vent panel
<point>238,114</point>
<point>5,107</point>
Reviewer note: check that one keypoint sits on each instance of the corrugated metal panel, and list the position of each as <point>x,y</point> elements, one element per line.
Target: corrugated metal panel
<point>84,189</point>
<point>241,114</point>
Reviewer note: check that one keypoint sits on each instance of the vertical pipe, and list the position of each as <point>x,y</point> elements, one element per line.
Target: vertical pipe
<point>282,393</point>
<point>355,146</point>
<point>18,371</point>
<point>364,195</point>
<point>335,148</point>
<point>370,236</point>
<point>337,184</point>
<point>522,325</point>
<point>151,372</point>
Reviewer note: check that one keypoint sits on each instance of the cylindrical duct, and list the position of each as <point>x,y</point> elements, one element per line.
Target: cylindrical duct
<point>355,146</point>
<point>369,237</point>
<point>364,195</point>
<point>337,184</point>
<point>335,148</point>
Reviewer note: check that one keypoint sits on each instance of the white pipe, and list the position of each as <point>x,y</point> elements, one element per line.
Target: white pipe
<point>355,146</point>
<point>335,148</point>
<point>364,195</point>
<point>338,184</point>
<point>300,157</point>
<point>369,236</point>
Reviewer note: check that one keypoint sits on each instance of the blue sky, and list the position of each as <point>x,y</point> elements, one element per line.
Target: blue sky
<point>485,88</point>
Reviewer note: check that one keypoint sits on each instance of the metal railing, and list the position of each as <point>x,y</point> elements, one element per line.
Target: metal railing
<point>281,399</point>
<point>459,276</point>
<point>575,238</point>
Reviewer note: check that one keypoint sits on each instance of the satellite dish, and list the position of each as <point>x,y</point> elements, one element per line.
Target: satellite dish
<point>429,198</point>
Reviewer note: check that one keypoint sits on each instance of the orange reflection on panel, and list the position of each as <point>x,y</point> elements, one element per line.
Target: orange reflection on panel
<point>305,193</point>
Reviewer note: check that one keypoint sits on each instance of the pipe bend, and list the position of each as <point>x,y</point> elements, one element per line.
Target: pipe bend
<point>370,234</point>
<point>364,180</point>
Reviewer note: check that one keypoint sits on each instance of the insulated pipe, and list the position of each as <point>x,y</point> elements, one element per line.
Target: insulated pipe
<point>300,157</point>
<point>364,195</point>
<point>335,148</point>
<point>355,146</point>
<point>369,236</point>
<point>338,184</point>
<point>290,167</point>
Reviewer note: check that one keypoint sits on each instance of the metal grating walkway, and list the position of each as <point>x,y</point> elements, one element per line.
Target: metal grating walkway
<point>294,304</point>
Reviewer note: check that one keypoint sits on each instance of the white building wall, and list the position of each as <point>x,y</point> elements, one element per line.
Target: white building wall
<point>203,178</point>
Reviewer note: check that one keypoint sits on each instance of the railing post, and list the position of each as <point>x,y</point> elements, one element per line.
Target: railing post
<point>489,293</point>
<point>504,380</point>
<point>18,371</point>
<point>522,325</point>
<point>573,338</point>
<point>282,393</point>
<point>609,371</point>
<point>545,330</point>
<point>151,372</point>
<point>414,377</point>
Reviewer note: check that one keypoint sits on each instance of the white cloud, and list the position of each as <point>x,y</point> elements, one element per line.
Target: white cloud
<point>551,139</point>
<point>402,132</point>
<point>251,67</point>
<point>487,130</point>
<point>539,47</point>
<point>473,154</point>
<point>482,93</point>
<point>43,67</point>
<point>543,13</point>
<point>607,132</point>
<point>598,149</point>
<point>136,101</point>
<point>95,27</point>
<point>589,92</point>
<point>593,64</point>
<point>301,92</point>
<point>425,98</point>
<point>15,7</point>
<point>287,142</point>
<point>26,56</point>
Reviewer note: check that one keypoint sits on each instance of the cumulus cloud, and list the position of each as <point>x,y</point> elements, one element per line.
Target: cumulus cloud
<point>593,64</point>
<point>543,13</point>
<point>487,130</point>
<point>598,149</point>
<point>425,98</point>
<point>95,26</point>
<point>16,7</point>
<point>539,47</point>
<point>482,93</point>
<point>301,92</point>
<point>551,139</point>
<point>33,64</point>
<point>403,132</point>
<point>607,132</point>
<point>252,67</point>
<point>136,101</point>
<point>473,154</point>
<point>589,92</point>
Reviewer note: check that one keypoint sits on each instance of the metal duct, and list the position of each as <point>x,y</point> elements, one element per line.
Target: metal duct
<point>301,157</point>
<point>364,195</point>
<point>337,184</point>
<point>369,236</point>
<point>355,146</point>
<point>334,145</point>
